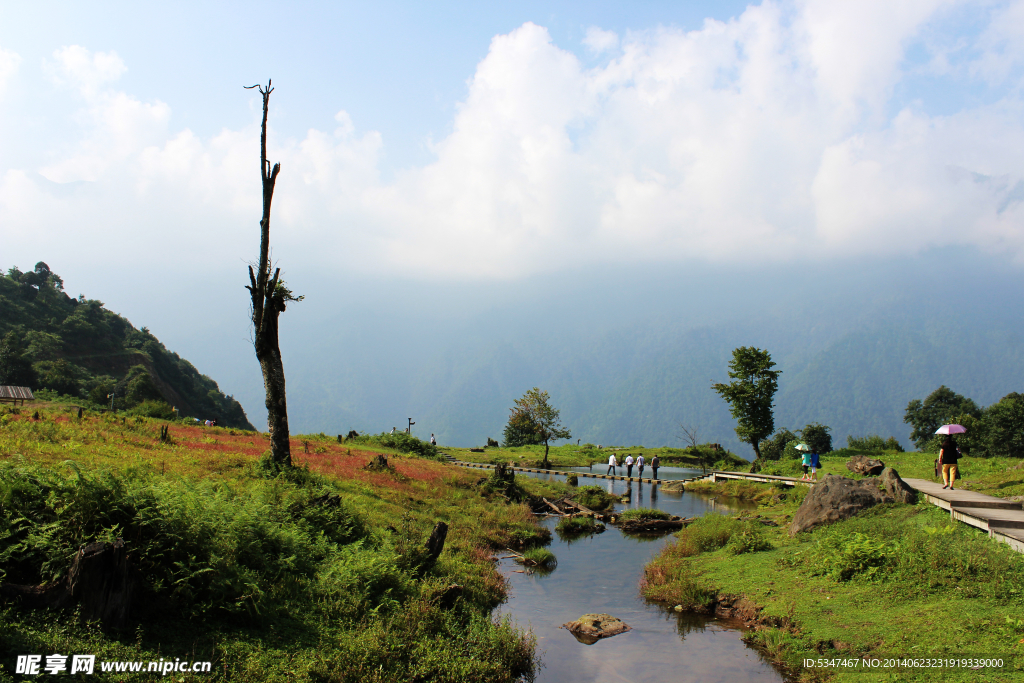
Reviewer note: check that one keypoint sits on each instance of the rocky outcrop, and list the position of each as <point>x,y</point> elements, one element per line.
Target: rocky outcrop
<point>590,628</point>
<point>862,464</point>
<point>895,488</point>
<point>838,498</point>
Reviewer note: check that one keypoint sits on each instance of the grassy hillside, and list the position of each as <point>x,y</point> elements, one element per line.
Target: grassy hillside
<point>319,574</point>
<point>78,348</point>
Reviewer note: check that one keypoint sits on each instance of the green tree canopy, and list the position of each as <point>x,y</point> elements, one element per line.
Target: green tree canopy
<point>751,393</point>
<point>817,436</point>
<point>533,409</point>
<point>940,407</point>
<point>1003,425</point>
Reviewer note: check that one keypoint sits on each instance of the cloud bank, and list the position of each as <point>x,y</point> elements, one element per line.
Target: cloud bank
<point>785,134</point>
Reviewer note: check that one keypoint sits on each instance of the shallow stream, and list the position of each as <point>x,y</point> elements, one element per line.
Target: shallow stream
<point>601,574</point>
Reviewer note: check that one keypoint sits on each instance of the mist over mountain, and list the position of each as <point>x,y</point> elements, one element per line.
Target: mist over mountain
<point>629,353</point>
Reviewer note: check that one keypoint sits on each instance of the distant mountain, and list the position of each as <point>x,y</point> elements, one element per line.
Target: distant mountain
<point>77,347</point>
<point>626,365</point>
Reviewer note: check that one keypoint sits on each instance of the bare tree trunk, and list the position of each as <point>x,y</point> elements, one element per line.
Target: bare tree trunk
<point>269,297</point>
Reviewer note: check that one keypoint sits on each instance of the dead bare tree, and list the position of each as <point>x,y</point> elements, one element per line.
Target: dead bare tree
<point>688,435</point>
<point>269,298</point>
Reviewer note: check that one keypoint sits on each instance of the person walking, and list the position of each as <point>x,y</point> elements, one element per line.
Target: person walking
<point>612,463</point>
<point>815,464</point>
<point>949,455</point>
<point>655,464</point>
<point>640,465</point>
<point>629,466</point>
<point>805,462</point>
<point>433,441</point>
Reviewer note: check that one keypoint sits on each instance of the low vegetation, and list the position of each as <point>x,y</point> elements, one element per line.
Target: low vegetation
<point>589,455</point>
<point>317,573</point>
<point>640,514</point>
<point>569,527</point>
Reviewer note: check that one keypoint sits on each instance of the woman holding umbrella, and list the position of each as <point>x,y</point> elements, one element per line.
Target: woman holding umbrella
<point>949,454</point>
<point>806,460</point>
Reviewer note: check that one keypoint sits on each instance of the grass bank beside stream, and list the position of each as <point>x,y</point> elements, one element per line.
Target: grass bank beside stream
<point>896,580</point>
<point>318,574</point>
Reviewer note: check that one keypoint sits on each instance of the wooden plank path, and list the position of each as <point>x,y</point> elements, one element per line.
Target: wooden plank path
<point>1002,519</point>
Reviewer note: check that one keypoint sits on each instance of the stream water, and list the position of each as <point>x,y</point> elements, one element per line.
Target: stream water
<point>600,574</point>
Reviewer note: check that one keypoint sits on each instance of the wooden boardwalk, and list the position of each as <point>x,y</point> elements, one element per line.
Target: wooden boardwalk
<point>1002,519</point>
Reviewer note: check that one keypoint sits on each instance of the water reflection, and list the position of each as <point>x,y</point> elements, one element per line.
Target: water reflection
<point>599,573</point>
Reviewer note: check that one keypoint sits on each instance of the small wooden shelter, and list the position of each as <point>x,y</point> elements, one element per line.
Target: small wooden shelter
<point>15,394</point>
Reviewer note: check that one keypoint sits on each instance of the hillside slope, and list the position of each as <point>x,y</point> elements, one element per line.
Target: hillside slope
<point>77,347</point>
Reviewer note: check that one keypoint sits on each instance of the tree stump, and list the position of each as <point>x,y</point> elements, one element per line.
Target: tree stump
<point>435,544</point>
<point>378,464</point>
<point>103,580</point>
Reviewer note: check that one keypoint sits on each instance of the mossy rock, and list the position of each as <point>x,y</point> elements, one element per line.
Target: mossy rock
<point>590,628</point>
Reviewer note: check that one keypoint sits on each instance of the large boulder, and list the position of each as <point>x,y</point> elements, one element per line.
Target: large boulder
<point>862,464</point>
<point>592,627</point>
<point>837,498</point>
<point>895,489</point>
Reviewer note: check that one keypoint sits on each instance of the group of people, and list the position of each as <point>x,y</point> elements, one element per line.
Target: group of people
<point>812,462</point>
<point>629,462</point>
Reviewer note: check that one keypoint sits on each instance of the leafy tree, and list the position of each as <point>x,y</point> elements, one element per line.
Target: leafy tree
<point>939,408</point>
<point>521,430</point>
<point>751,393</point>
<point>15,368</point>
<point>60,376</point>
<point>772,449</point>
<point>1003,425</point>
<point>817,437</point>
<point>533,408</point>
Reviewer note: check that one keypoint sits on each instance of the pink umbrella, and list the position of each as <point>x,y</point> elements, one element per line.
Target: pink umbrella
<point>950,429</point>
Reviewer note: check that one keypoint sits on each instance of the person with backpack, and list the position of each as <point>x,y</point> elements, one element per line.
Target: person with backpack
<point>655,463</point>
<point>612,463</point>
<point>949,456</point>
<point>640,465</point>
<point>629,466</point>
<point>815,464</point>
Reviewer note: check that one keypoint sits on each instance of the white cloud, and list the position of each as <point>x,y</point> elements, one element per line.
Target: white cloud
<point>9,62</point>
<point>766,137</point>
<point>598,40</point>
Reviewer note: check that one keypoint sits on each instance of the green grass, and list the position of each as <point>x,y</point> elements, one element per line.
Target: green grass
<point>895,580</point>
<point>594,498</point>
<point>539,557</point>
<point>318,574</point>
<point>642,514</point>
<point>577,526</point>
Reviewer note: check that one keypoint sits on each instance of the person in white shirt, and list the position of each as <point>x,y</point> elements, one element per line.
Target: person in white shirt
<point>629,466</point>
<point>640,465</point>
<point>612,462</point>
<point>433,441</point>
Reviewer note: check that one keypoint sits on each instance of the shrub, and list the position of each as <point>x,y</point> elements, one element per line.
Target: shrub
<point>842,556</point>
<point>400,441</point>
<point>577,526</point>
<point>750,539</point>
<point>705,534</point>
<point>817,437</point>
<point>154,409</point>
<point>873,444</point>
<point>643,514</point>
<point>594,498</point>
